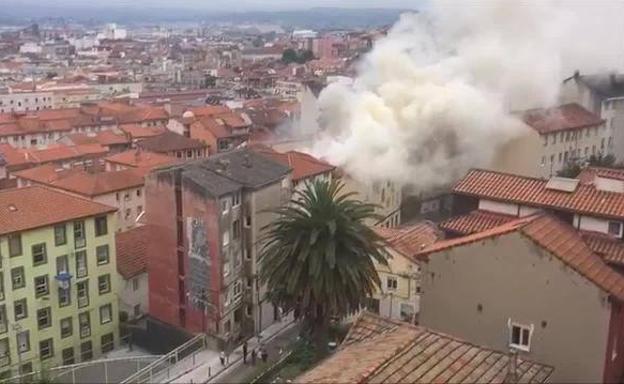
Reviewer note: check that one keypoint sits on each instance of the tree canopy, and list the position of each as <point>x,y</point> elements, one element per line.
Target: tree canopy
<point>318,256</point>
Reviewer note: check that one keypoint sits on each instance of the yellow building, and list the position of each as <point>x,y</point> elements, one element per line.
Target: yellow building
<point>399,296</point>
<point>57,280</point>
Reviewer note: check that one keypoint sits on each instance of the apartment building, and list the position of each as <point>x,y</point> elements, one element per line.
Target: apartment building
<point>602,94</point>
<point>174,145</point>
<point>533,285</point>
<point>399,295</point>
<point>207,218</point>
<point>58,303</point>
<point>123,190</point>
<point>132,268</point>
<point>136,158</point>
<point>26,101</point>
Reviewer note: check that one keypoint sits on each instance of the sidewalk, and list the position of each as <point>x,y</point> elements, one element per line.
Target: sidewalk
<point>212,369</point>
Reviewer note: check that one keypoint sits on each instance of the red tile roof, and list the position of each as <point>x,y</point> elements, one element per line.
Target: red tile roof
<point>136,131</point>
<point>104,138</point>
<point>588,174</point>
<point>555,236</point>
<point>529,191</point>
<point>304,166</point>
<point>141,159</point>
<point>132,251</point>
<point>384,351</point>
<point>412,239</point>
<point>63,152</point>
<point>169,142</point>
<point>563,118</point>
<point>605,246</point>
<point>476,221</point>
<point>35,207</point>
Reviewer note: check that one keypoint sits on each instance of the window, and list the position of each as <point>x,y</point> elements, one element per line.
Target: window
<point>237,289</point>
<point>81,264</point>
<point>17,278</point>
<point>137,310</point>
<point>64,297</point>
<point>225,206</point>
<point>44,317</point>
<point>80,238</point>
<point>104,284</point>
<point>46,349</point>
<point>41,286</point>
<point>189,154</point>
<point>82,288</point>
<point>60,235</point>
<point>138,193</point>
<point>84,324</point>
<point>407,312</point>
<point>126,196</point>
<point>106,314</point>
<point>67,328</point>
<point>15,245</point>
<point>86,351</point>
<point>135,284</point>
<point>101,254</point>
<point>5,354</point>
<point>128,214</point>
<point>39,254</point>
<point>21,309</point>
<point>615,228</point>
<point>26,368</point>
<point>236,229</point>
<point>68,356</point>
<point>23,341</point>
<point>236,200</point>
<point>1,286</point>
<point>101,226</point>
<point>62,264</point>
<point>139,210</point>
<point>520,336</point>
<point>392,283</point>
<point>373,305</point>
<point>3,319</point>
<point>108,343</point>
<point>247,221</point>
<point>545,141</point>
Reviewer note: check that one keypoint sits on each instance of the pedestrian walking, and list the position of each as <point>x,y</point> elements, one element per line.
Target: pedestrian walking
<point>264,354</point>
<point>222,358</point>
<point>245,352</point>
<point>253,356</point>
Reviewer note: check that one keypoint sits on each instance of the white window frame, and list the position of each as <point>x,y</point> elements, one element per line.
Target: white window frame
<point>511,325</point>
<point>395,286</point>
<point>225,206</point>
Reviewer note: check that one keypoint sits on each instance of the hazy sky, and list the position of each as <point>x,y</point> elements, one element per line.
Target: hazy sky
<point>229,5</point>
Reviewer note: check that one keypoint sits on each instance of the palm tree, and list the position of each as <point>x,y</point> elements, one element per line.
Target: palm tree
<point>318,255</point>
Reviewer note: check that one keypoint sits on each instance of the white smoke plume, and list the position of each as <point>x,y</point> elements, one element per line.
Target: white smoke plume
<point>433,98</point>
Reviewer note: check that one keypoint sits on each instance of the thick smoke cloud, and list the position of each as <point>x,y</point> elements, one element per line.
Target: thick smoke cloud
<point>434,97</point>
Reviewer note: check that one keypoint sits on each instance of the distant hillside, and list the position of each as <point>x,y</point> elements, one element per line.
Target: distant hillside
<point>315,18</point>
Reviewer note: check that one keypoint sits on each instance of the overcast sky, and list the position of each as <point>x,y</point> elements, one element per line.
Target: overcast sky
<point>228,5</point>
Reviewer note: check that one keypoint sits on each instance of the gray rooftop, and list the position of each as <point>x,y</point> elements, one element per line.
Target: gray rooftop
<point>229,172</point>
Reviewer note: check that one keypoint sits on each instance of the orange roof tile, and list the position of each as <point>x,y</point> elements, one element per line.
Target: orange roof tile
<point>136,131</point>
<point>562,118</point>
<point>608,247</point>
<point>386,351</point>
<point>141,159</point>
<point>588,174</point>
<point>555,236</point>
<point>99,183</point>
<point>476,221</point>
<point>303,165</point>
<point>410,240</point>
<point>533,192</point>
<point>132,251</point>
<point>34,207</point>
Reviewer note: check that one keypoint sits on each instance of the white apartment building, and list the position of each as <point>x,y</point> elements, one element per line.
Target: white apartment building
<point>26,101</point>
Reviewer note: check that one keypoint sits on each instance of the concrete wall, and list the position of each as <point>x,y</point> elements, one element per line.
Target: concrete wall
<point>473,291</point>
<point>129,298</point>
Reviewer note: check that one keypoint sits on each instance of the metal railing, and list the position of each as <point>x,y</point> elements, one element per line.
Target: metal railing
<point>97,371</point>
<point>159,370</point>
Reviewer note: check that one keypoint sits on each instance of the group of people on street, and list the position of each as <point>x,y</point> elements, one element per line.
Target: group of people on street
<point>262,351</point>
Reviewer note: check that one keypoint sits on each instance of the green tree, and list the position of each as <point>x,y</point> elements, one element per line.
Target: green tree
<point>318,255</point>
<point>290,56</point>
<point>305,56</point>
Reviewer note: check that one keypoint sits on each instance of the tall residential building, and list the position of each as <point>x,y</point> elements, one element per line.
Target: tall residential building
<point>57,280</point>
<point>206,218</point>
